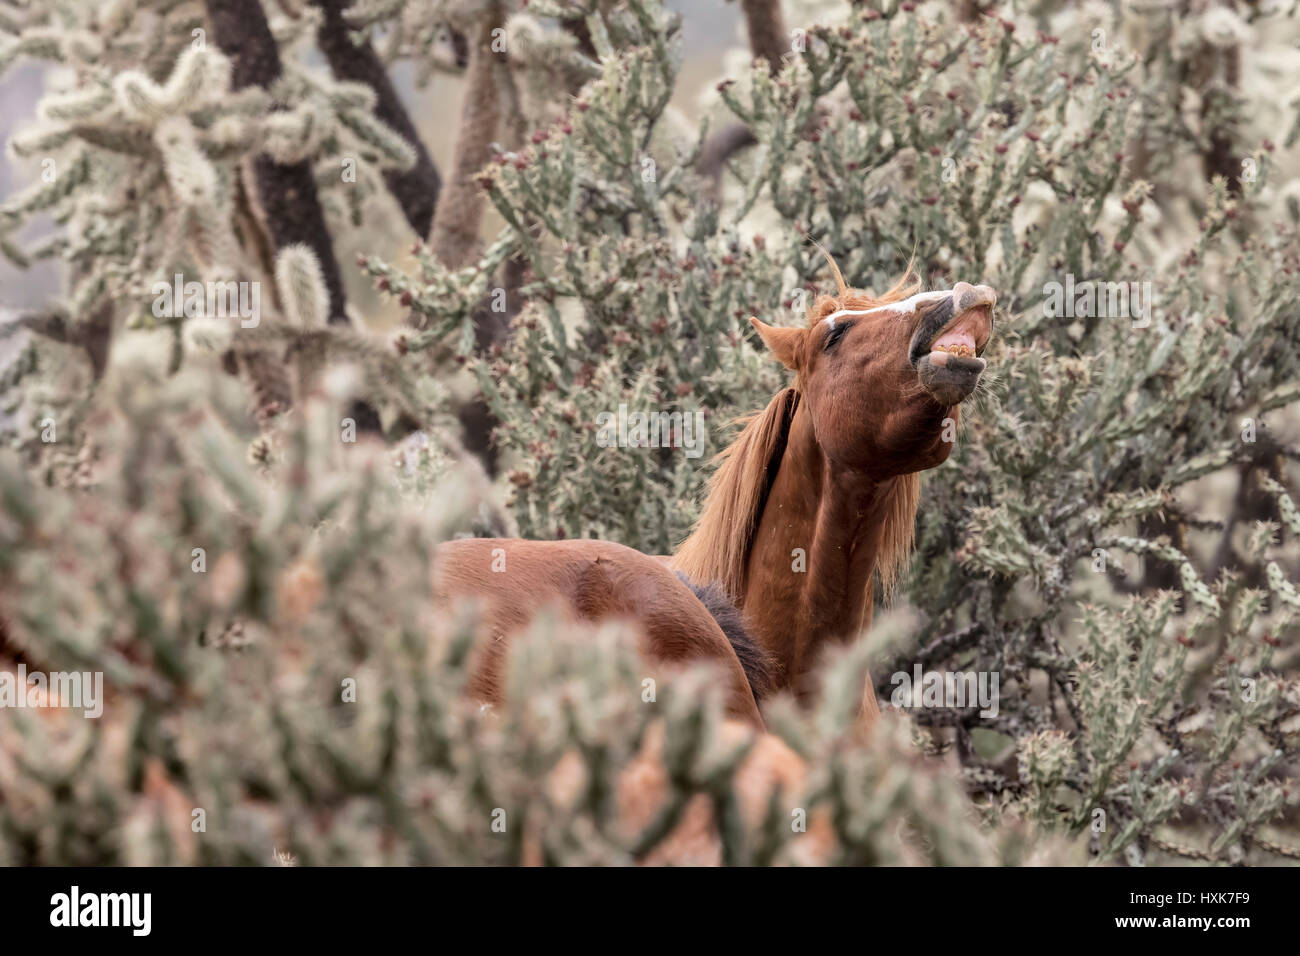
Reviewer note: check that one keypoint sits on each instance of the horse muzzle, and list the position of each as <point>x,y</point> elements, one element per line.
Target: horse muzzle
<point>949,341</point>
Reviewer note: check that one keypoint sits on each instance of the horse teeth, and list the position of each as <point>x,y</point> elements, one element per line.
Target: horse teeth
<point>964,351</point>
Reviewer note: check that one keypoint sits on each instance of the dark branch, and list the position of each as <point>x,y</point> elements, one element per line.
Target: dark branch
<point>416,190</point>
<point>718,149</point>
<point>286,194</point>
<point>768,37</point>
<point>938,649</point>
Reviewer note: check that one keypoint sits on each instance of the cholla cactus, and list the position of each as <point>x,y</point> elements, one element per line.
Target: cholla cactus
<point>331,723</point>
<point>1140,359</point>
<point>147,144</point>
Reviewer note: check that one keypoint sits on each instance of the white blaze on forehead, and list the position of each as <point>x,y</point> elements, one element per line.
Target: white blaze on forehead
<point>908,306</point>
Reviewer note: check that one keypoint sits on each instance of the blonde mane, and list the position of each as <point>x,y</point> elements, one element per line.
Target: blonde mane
<point>718,548</point>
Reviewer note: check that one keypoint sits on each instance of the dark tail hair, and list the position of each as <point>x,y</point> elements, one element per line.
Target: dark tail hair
<point>758,666</point>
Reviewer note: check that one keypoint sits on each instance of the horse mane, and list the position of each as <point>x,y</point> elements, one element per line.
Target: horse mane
<point>759,666</point>
<point>718,548</point>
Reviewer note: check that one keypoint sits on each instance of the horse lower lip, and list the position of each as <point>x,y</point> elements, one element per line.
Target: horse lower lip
<point>956,363</point>
<point>950,378</point>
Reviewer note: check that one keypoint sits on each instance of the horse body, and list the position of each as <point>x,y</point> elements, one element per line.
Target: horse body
<point>592,581</point>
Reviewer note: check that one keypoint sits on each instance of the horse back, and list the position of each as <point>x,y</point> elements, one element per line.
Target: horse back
<point>587,580</point>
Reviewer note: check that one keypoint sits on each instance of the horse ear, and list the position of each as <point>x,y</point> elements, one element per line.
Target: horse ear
<point>783,343</point>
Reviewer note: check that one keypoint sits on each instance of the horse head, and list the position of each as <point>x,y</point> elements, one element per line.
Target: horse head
<point>882,377</point>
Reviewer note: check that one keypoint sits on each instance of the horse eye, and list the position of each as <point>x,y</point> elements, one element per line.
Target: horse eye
<point>837,333</point>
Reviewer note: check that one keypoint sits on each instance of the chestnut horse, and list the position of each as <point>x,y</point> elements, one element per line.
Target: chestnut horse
<point>817,494</point>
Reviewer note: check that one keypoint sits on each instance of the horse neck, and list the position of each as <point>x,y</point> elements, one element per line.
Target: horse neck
<point>835,519</point>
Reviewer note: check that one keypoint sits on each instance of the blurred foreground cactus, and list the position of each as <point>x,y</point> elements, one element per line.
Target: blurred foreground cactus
<point>277,687</point>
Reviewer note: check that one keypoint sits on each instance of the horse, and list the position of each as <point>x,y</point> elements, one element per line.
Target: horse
<point>819,492</point>
<point>816,496</point>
